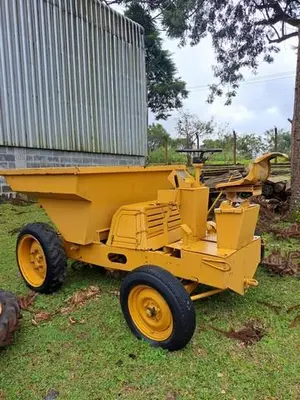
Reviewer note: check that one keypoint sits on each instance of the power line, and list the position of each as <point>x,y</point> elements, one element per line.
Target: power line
<point>262,79</point>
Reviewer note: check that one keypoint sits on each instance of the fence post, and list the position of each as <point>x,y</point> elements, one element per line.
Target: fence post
<point>234,147</point>
<point>275,142</point>
<point>167,151</point>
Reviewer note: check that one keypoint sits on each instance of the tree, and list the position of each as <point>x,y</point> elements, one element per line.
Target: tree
<point>191,129</point>
<point>165,91</point>
<point>249,146</point>
<point>283,141</point>
<point>157,137</point>
<point>161,146</point>
<point>243,33</point>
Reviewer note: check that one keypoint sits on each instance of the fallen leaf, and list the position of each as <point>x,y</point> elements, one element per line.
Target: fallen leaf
<point>220,375</point>
<point>27,300</point>
<point>115,293</point>
<point>42,316</point>
<point>79,298</point>
<point>74,321</point>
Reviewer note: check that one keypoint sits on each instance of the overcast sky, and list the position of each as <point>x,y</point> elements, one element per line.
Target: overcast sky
<point>263,101</point>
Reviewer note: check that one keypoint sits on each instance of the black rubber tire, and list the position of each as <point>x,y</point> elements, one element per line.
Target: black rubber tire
<point>9,317</point>
<point>55,254</point>
<point>174,293</point>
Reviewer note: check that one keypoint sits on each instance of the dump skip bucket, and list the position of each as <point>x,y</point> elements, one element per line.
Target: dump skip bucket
<point>82,201</point>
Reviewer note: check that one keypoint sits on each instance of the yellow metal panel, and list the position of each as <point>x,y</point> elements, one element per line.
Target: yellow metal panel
<point>125,231</point>
<point>235,225</point>
<point>156,226</point>
<point>107,188</point>
<point>167,196</point>
<point>71,218</point>
<point>193,210</point>
<point>243,265</point>
<point>222,272</point>
<point>88,170</point>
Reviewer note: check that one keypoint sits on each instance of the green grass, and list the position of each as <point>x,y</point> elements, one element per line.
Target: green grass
<point>100,359</point>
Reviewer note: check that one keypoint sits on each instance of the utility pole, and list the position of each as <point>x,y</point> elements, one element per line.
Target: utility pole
<point>275,141</point>
<point>234,147</point>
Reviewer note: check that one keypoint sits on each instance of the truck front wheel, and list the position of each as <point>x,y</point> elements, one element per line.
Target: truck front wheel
<point>41,258</point>
<point>157,308</point>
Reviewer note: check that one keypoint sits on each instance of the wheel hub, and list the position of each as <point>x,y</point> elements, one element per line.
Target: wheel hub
<point>32,260</point>
<point>150,313</point>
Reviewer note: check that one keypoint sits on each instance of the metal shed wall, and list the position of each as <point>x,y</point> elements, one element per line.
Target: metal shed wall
<point>72,77</point>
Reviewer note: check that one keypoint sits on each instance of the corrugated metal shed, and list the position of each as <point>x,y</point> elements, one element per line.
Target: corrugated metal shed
<point>72,77</point>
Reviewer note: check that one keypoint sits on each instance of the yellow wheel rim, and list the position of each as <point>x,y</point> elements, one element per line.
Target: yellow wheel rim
<point>150,313</point>
<point>32,260</point>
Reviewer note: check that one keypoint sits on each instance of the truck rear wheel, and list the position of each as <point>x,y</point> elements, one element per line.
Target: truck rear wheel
<point>157,308</point>
<point>9,317</point>
<point>41,258</point>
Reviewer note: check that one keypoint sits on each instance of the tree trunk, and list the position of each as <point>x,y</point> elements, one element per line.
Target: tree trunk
<point>295,159</point>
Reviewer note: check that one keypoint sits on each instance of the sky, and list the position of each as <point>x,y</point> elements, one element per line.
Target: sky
<point>264,100</point>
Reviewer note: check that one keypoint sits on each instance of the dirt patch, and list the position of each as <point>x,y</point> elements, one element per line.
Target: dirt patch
<point>250,334</point>
<point>282,264</point>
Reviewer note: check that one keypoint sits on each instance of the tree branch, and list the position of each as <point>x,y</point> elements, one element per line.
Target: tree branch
<point>284,37</point>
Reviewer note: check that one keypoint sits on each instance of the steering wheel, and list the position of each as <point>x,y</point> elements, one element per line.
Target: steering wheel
<point>198,155</point>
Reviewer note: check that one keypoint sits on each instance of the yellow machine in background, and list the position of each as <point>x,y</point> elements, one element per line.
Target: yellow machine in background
<point>151,222</point>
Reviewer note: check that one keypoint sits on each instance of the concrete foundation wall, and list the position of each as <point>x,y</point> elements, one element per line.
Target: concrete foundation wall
<point>15,157</point>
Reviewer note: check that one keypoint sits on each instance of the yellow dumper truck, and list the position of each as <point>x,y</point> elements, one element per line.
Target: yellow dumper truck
<point>151,222</point>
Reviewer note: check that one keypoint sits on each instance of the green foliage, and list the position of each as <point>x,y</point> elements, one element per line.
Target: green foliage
<point>283,140</point>
<point>157,137</point>
<point>165,91</point>
<point>190,130</point>
<point>162,147</point>
<point>158,156</point>
<point>243,32</point>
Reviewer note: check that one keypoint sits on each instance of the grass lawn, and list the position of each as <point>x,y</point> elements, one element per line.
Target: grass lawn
<point>100,358</point>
